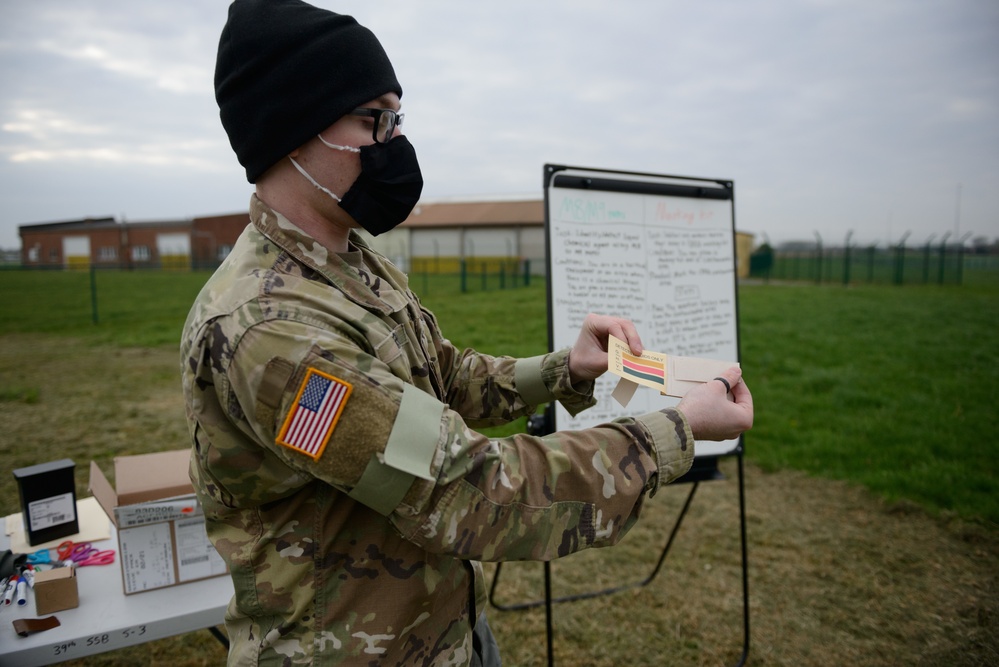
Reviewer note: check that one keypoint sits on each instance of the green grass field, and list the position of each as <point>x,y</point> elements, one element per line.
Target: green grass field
<point>893,388</point>
<point>884,388</point>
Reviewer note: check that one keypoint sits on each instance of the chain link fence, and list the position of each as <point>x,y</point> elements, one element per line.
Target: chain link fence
<point>895,265</point>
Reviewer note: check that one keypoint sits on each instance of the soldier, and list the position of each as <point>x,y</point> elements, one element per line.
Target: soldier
<point>331,420</point>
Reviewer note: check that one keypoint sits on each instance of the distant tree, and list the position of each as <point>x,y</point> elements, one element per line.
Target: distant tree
<point>761,261</point>
<point>980,245</point>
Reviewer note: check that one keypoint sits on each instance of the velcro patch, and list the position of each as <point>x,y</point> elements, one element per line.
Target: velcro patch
<point>317,407</point>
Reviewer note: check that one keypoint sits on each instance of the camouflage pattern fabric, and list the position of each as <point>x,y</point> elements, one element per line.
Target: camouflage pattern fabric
<point>368,551</point>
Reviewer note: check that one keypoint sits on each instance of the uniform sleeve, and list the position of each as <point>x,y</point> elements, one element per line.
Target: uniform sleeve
<point>487,390</point>
<point>538,498</point>
<point>444,486</point>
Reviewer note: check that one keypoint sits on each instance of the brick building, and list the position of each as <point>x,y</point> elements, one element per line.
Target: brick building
<point>485,234</point>
<point>79,244</point>
<point>212,237</point>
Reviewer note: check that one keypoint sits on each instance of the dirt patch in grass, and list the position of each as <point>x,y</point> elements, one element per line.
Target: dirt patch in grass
<point>836,576</point>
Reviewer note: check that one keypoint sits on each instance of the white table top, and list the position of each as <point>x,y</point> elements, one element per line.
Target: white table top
<point>107,619</point>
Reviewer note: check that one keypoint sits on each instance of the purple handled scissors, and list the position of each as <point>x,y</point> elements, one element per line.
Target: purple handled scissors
<point>82,553</point>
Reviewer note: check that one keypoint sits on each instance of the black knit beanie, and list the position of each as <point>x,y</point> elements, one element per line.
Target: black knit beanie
<point>286,71</point>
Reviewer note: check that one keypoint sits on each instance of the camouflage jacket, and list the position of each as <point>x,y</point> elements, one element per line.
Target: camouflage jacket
<point>342,482</point>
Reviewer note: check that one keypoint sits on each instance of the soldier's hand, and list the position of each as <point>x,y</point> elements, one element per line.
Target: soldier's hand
<point>588,357</point>
<point>714,413</point>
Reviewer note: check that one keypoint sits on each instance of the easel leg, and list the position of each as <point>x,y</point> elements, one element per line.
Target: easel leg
<point>548,600</point>
<point>745,562</point>
<point>550,630</point>
<point>219,636</point>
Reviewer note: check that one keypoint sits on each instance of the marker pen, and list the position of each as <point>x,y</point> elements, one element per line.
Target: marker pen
<point>8,595</point>
<point>22,592</point>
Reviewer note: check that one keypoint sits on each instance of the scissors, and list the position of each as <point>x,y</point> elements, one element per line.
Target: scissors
<point>41,557</point>
<point>82,553</point>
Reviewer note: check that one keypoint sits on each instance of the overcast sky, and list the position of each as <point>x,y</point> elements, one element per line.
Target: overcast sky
<point>876,116</point>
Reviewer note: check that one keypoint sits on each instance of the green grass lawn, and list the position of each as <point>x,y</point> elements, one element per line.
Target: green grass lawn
<point>890,387</point>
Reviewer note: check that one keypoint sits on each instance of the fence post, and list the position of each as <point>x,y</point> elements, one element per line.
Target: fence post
<point>900,260</point>
<point>926,260</point>
<point>846,258</point>
<point>818,271</point>
<point>464,275</point>
<point>943,252</point>
<point>93,293</point>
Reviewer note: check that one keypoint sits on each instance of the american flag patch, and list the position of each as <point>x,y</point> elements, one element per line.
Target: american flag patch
<point>311,419</point>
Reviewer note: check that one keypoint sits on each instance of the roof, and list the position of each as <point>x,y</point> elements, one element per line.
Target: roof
<point>68,225</point>
<point>93,224</point>
<point>477,213</point>
<point>158,224</point>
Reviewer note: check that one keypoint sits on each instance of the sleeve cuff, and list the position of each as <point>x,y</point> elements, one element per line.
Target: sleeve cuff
<point>672,444</point>
<point>530,382</point>
<point>409,453</point>
<point>416,433</point>
<point>545,378</point>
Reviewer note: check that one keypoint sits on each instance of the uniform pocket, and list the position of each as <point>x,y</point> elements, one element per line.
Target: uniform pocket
<point>396,351</point>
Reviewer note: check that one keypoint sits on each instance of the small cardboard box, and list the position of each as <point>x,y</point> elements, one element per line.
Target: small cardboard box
<point>161,526</point>
<point>55,590</point>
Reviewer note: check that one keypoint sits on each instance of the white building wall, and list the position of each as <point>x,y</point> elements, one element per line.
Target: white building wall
<point>436,243</point>
<point>492,242</point>
<point>76,251</point>
<point>173,245</point>
<point>76,246</point>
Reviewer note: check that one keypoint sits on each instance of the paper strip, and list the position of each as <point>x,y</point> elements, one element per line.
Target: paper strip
<point>671,375</point>
<point>624,391</point>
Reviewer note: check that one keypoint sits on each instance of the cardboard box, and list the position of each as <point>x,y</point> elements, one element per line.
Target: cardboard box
<point>55,590</point>
<point>161,526</point>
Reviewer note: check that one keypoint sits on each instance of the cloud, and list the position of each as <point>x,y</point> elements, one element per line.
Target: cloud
<point>828,114</point>
<point>92,86</point>
<point>133,58</point>
<point>42,125</point>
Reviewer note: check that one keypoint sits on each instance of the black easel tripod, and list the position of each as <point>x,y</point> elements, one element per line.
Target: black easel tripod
<point>704,469</point>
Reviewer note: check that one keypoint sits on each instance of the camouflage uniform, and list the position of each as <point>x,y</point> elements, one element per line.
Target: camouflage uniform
<point>367,551</point>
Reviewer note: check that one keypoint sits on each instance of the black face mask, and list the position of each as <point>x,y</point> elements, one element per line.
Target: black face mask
<point>387,189</point>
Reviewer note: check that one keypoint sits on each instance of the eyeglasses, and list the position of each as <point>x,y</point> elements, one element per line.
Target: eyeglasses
<point>386,120</point>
